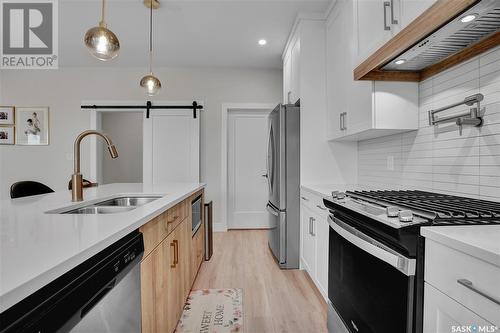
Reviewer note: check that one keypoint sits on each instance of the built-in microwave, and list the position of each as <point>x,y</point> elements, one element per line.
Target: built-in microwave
<point>196,213</point>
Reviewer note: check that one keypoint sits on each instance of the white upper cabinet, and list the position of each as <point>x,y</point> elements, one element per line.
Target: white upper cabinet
<point>291,73</point>
<point>377,21</point>
<point>287,77</point>
<point>373,26</point>
<point>411,9</point>
<point>295,75</point>
<point>359,110</point>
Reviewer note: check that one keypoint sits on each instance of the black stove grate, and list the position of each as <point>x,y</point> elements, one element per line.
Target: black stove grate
<point>444,209</point>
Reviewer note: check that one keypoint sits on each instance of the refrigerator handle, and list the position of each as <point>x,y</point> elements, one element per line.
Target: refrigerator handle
<point>269,174</point>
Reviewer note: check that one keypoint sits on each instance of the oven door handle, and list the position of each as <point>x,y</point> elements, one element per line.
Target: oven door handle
<point>373,247</point>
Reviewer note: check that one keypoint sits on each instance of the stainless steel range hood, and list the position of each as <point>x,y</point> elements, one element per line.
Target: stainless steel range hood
<point>448,33</point>
<point>453,37</point>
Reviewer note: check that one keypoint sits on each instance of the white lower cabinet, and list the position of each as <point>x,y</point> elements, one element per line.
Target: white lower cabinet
<point>322,236</point>
<point>314,240</point>
<point>308,253</point>
<point>460,291</point>
<point>442,314</point>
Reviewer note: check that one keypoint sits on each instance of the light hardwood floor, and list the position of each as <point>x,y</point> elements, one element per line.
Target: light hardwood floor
<point>274,300</point>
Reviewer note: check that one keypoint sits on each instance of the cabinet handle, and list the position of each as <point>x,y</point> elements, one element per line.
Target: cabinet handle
<point>309,226</point>
<point>393,20</point>
<point>340,121</point>
<point>176,252</point>
<point>344,120</point>
<point>386,4</point>
<point>304,198</point>
<point>172,265</point>
<point>322,208</point>
<point>468,284</point>
<point>313,220</point>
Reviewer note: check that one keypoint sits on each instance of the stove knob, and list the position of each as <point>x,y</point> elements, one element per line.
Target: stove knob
<point>405,216</point>
<point>334,194</point>
<point>392,211</point>
<point>340,195</point>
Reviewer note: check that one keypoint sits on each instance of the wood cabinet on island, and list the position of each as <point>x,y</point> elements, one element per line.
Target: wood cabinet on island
<point>170,264</point>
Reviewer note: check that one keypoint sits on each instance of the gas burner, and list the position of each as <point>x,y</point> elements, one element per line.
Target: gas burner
<point>440,209</point>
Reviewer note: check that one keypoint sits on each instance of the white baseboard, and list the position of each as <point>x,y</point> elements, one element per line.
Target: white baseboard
<point>219,227</point>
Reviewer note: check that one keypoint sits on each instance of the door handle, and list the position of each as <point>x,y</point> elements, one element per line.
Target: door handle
<point>172,265</point>
<point>344,127</point>
<point>468,284</point>
<point>386,4</point>
<point>393,20</point>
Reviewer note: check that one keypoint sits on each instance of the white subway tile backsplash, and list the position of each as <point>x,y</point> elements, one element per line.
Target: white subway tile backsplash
<point>438,158</point>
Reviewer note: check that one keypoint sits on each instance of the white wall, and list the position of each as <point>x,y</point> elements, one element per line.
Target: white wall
<point>439,159</point>
<point>125,129</point>
<point>64,89</point>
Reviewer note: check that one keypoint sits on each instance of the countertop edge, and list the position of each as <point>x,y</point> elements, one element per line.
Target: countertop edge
<point>459,245</point>
<point>22,291</point>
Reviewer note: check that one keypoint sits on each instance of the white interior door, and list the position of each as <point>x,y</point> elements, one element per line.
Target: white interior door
<point>171,147</point>
<point>247,153</point>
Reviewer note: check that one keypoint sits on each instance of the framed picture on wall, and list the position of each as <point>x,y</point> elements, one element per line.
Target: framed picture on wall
<point>32,126</point>
<point>7,134</point>
<point>7,115</point>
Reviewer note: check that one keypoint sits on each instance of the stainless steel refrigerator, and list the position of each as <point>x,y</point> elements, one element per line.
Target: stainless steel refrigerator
<point>283,175</point>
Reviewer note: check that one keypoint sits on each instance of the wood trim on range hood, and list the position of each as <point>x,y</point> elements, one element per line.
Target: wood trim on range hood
<point>440,13</point>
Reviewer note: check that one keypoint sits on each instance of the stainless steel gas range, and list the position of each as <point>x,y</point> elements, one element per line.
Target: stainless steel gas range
<point>376,255</point>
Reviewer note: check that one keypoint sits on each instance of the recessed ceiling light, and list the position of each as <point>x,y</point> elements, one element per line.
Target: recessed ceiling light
<point>262,42</point>
<point>400,61</point>
<point>468,18</point>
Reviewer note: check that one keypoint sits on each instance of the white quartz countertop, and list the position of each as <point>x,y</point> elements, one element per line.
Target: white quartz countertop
<point>36,247</point>
<point>480,241</point>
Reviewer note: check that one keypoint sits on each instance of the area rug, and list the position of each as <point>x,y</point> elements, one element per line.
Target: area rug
<point>212,311</point>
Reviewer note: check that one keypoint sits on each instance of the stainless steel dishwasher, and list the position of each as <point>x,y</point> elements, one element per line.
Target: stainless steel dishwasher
<point>103,294</point>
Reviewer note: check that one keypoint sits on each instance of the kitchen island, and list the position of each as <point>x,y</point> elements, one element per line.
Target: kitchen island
<point>37,247</point>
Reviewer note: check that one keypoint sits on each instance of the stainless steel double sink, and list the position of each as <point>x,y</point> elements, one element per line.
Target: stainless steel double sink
<point>109,206</point>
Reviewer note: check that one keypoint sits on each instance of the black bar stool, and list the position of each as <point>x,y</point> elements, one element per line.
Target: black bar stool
<point>28,188</point>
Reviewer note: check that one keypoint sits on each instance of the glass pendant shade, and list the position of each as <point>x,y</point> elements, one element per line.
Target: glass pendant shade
<point>102,43</point>
<point>151,83</point>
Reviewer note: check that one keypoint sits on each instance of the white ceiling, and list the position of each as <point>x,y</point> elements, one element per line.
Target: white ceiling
<point>187,33</point>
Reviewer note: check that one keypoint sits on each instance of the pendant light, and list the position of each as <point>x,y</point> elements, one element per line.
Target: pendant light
<point>101,42</point>
<point>151,83</point>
